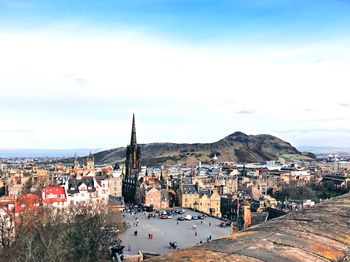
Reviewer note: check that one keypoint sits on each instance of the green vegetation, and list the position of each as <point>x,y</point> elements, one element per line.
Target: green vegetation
<point>294,157</point>
<point>314,192</point>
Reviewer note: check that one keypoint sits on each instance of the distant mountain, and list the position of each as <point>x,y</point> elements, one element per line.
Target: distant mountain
<point>31,153</point>
<point>324,151</point>
<point>237,147</point>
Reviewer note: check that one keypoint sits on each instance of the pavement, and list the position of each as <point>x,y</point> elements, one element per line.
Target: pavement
<point>166,230</point>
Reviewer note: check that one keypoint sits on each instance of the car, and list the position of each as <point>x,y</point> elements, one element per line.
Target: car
<point>201,216</point>
<point>180,211</point>
<point>181,218</point>
<point>170,212</point>
<point>164,217</point>
<point>169,216</point>
<point>194,217</point>
<point>188,217</point>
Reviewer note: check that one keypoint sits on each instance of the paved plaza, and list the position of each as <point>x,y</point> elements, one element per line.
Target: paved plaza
<point>166,230</point>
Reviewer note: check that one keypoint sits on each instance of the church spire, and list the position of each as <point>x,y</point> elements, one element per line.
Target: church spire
<point>133,131</point>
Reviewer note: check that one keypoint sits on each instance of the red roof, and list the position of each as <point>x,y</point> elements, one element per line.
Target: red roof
<point>54,194</point>
<point>31,201</point>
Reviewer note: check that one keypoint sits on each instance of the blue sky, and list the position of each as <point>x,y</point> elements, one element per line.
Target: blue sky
<point>73,72</point>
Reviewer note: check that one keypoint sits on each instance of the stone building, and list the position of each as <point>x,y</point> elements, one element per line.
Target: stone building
<point>202,199</point>
<point>115,182</point>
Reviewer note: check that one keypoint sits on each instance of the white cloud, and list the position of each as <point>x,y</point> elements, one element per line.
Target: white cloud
<point>102,74</point>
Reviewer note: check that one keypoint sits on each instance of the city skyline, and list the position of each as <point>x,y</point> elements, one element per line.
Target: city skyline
<point>191,71</point>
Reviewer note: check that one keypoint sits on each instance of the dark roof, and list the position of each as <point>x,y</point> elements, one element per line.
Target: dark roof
<point>320,233</point>
<point>187,180</point>
<point>116,166</point>
<point>204,191</point>
<point>188,189</point>
<point>73,184</point>
<point>335,180</point>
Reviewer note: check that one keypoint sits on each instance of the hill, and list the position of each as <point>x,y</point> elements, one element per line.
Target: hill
<point>237,147</point>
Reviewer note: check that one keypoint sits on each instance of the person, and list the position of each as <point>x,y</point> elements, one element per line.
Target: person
<point>135,233</point>
<point>209,237</point>
<point>129,248</point>
<point>209,224</point>
<point>177,222</point>
<point>201,222</point>
<point>195,233</point>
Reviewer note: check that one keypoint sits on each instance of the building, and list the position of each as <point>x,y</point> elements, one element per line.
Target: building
<point>115,182</point>
<point>132,166</point>
<point>202,199</point>
<point>54,196</point>
<point>87,190</point>
<point>208,201</point>
<point>187,195</point>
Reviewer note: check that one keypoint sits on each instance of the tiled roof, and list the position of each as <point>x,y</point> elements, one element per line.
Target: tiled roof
<point>188,189</point>
<point>54,194</point>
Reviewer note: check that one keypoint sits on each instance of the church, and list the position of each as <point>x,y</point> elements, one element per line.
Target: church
<point>132,166</point>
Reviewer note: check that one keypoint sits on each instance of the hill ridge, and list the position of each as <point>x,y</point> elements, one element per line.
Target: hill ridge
<point>236,147</point>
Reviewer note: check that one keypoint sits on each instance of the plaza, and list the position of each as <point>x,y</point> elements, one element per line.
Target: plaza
<point>168,230</point>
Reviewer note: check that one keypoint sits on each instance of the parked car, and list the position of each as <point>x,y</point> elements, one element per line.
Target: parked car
<point>180,211</point>
<point>188,217</point>
<point>194,217</point>
<point>170,212</point>
<point>164,216</point>
<point>201,216</point>
<point>181,218</point>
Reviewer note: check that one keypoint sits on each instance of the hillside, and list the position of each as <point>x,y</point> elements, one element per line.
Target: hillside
<point>237,147</point>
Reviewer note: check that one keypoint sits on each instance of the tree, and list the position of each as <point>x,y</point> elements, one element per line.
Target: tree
<point>80,233</point>
<point>7,229</point>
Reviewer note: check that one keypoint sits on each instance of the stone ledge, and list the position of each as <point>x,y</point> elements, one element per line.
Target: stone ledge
<point>320,233</point>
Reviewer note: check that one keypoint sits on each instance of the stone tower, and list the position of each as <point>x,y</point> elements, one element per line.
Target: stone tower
<point>90,162</point>
<point>132,166</point>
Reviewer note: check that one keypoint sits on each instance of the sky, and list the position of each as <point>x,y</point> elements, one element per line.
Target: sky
<point>72,73</point>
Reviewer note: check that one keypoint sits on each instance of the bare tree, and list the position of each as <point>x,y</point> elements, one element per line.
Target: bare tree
<point>7,229</point>
<point>81,233</point>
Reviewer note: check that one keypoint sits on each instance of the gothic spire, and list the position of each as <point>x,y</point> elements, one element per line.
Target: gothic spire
<point>133,131</point>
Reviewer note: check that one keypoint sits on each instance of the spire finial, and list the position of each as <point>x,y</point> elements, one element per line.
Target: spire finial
<point>133,131</point>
